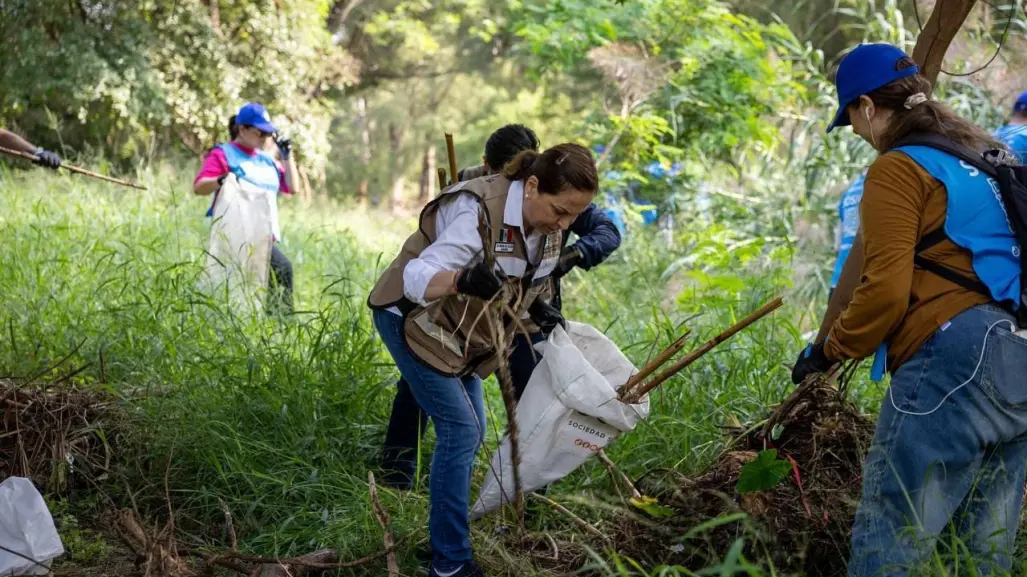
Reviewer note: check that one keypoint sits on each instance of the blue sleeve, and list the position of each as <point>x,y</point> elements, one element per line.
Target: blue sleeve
<point>598,237</point>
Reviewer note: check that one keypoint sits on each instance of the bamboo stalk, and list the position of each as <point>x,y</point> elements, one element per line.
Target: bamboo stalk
<point>654,364</point>
<point>659,379</point>
<point>442,178</point>
<point>451,154</point>
<point>75,169</point>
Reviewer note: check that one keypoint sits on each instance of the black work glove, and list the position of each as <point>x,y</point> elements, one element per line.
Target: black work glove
<point>546,316</point>
<point>569,258</point>
<point>284,147</point>
<point>811,360</point>
<point>478,280</point>
<point>47,159</point>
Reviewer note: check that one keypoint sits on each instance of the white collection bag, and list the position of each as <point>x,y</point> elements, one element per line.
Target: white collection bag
<point>27,528</point>
<point>239,251</point>
<point>568,412</point>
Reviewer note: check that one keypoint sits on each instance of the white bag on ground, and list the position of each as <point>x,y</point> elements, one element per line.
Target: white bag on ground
<point>568,412</point>
<point>239,251</point>
<point>27,528</point>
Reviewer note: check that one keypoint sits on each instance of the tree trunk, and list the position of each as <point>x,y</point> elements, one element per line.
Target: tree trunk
<point>396,165</point>
<point>937,35</point>
<point>427,191</point>
<point>365,150</point>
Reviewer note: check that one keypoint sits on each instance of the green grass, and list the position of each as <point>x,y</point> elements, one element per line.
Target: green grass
<point>282,419</point>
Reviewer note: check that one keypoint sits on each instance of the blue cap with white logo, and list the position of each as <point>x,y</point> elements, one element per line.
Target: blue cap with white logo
<point>254,114</point>
<point>864,70</point>
<point>1021,103</point>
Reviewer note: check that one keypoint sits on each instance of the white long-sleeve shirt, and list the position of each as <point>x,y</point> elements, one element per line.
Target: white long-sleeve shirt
<point>458,242</point>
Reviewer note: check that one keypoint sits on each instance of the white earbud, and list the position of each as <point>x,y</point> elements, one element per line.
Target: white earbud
<point>866,114</point>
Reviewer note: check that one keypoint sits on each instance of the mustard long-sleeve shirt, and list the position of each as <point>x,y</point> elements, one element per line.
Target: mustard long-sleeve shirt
<point>896,302</point>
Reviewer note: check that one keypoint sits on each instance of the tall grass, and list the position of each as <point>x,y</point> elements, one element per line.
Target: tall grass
<point>281,418</point>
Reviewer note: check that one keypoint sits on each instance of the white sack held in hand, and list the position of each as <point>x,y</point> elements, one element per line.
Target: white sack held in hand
<point>26,528</point>
<point>239,252</point>
<point>568,412</point>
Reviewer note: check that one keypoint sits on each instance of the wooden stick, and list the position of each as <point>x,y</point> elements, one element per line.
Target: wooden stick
<point>442,178</point>
<point>233,540</point>
<point>615,472</point>
<point>577,520</point>
<point>383,520</point>
<point>659,379</point>
<point>656,363</point>
<point>451,153</point>
<point>75,169</point>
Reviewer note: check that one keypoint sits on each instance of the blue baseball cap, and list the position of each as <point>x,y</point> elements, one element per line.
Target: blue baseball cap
<point>254,114</point>
<point>865,69</point>
<point>1021,103</point>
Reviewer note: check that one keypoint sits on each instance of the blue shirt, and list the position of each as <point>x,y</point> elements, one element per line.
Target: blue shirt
<point>1015,137</point>
<point>848,214</point>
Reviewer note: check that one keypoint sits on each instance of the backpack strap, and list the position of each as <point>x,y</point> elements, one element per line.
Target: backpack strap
<point>938,235</point>
<point>943,144</point>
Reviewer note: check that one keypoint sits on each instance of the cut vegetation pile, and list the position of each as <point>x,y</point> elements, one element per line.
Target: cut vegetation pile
<point>54,434</point>
<point>802,523</point>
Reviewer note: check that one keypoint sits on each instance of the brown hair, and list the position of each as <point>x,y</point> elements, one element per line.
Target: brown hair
<point>930,116</point>
<point>558,168</point>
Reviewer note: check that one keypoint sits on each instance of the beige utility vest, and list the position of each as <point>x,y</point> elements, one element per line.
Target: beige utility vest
<point>452,334</point>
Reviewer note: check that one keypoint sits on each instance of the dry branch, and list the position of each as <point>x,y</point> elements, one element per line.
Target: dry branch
<point>577,520</point>
<point>383,520</point>
<point>633,396</point>
<point>656,363</point>
<point>616,473</point>
<point>70,168</point>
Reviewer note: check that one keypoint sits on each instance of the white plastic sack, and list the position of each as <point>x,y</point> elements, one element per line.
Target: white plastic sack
<point>239,251</point>
<point>568,412</point>
<point>27,528</point>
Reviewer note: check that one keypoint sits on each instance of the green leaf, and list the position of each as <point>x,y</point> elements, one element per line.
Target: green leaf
<point>764,473</point>
<point>651,506</point>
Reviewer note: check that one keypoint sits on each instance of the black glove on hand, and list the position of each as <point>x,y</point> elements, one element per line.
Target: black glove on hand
<point>811,360</point>
<point>284,147</point>
<point>569,258</point>
<point>478,280</point>
<point>47,159</point>
<point>546,316</point>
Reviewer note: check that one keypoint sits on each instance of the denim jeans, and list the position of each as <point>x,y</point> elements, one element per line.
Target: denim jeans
<point>958,461</point>
<point>458,410</point>
<point>408,422</point>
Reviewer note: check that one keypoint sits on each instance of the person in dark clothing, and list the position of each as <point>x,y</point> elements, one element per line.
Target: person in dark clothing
<point>597,236</point>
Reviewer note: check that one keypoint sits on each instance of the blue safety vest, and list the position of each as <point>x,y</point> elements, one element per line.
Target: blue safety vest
<point>1015,137</point>
<point>848,213</point>
<point>975,220</point>
<point>259,169</point>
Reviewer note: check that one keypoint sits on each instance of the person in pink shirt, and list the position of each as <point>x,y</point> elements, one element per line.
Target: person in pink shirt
<point>245,156</point>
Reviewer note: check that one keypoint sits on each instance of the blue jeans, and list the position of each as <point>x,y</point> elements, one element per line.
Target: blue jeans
<point>458,410</point>
<point>408,421</point>
<point>958,462</point>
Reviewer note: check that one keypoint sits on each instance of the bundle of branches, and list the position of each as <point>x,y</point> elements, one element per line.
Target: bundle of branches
<point>802,523</point>
<point>53,433</point>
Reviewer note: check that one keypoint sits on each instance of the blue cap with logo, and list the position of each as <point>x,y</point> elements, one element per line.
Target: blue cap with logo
<point>254,114</point>
<point>864,70</point>
<point>1021,103</point>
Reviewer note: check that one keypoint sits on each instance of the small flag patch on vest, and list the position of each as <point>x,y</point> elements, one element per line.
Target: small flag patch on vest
<point>505,242</point>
